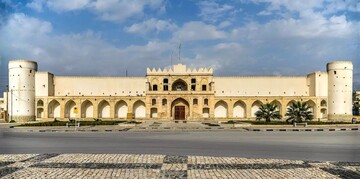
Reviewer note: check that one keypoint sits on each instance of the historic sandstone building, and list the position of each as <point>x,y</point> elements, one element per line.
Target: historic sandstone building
<point>177,93</point>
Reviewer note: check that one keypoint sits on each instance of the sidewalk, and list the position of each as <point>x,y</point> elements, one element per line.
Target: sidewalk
<point>166,166</point>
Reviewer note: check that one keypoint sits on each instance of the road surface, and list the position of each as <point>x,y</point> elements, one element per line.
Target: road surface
<point>319,146</point>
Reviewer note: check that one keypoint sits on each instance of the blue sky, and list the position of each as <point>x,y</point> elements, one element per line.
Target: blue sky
<point>235,37</point>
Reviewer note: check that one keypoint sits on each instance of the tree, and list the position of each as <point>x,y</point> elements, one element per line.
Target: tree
<point>299,112</point>
<point>268,111</point>
<point>356,104</point>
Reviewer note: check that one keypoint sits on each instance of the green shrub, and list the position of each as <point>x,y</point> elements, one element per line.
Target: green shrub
<point>136,122</point>
<point>63,123</point>
<point>12,121</point>
<point>210,124</point>
<point>97,120</point>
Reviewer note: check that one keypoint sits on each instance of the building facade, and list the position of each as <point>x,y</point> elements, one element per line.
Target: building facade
<point>175,93</point>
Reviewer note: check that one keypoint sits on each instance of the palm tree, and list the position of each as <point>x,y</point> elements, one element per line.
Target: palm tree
<point>268,111</point>
<point>299,112</point>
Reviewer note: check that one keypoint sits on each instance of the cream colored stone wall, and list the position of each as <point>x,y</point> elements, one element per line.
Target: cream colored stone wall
<point>44,84</point>
<point>261,86</point>
<point>99,86</point>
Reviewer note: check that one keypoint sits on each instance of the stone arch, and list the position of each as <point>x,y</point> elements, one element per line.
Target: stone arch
<point>239,110</point>
<point>221,109</point>
<point>40,103</point>
<point>87,109</point>
<point>312,105</point>
<point>278,105</point>
<point>155,84</point>
<point>204,81</point>
<point>69,109</point>
<point>104,109</point>
<point>178,103</point>
<point>121,109</point>
<point>290,103</point>
<point>139,109</point>
<point>255,107</point>
<point>179,85</point>
<point>54,109</point>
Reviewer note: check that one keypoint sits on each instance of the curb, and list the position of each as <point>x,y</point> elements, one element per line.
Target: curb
<point>301,129</point>
<point>213,129</point>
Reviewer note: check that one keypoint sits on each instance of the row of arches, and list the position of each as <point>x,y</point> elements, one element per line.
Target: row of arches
<point>239,109</point>
<point>121,109</point>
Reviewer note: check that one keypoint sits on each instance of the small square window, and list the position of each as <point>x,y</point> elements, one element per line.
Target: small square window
<point>204,87</point>
<point>155,87</point>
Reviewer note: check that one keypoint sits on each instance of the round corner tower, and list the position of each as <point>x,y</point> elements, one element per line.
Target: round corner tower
<point>22,90</point>
<point>340,86</point>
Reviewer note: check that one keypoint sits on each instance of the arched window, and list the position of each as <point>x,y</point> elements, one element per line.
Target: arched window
<point>153,101</point>
<point>40,103</point>
<point>179,85</point>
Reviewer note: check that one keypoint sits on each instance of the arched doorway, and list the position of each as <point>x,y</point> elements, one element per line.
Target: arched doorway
<point>239,110</point>
<point>255,107</point>
<point>221,109</point>
<point>121,109</point>
<point>87,109</point>
<point>54,109</point>
<point>139,109</point>
<point>180,109</point>
<point>69,109</point>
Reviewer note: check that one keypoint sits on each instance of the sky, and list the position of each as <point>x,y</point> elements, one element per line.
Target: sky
<point>234,37</point>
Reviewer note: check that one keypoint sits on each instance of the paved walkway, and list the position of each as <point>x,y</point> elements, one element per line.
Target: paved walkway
<point>163,126</point>
<point>166,166</point>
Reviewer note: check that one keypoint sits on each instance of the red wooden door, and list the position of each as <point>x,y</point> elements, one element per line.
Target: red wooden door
<point>179,112</point>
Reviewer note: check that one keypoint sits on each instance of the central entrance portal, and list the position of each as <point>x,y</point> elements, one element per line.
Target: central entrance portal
<point>180,109</point>
<point>179,112</point>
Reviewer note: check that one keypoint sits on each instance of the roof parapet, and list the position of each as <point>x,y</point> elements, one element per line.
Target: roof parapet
<point>179,69</point>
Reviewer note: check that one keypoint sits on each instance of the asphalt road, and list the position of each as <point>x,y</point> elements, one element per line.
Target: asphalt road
<point>320,146</point>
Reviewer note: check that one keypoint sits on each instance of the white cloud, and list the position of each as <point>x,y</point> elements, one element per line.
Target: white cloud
<point>118,10</point>
<point>68,54</point>
<point>110,10</point>
<point>65,5</point>
<point>151,25</point>
<point>195,30</point>
<point>212,11</point>
<point>36,5</point>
